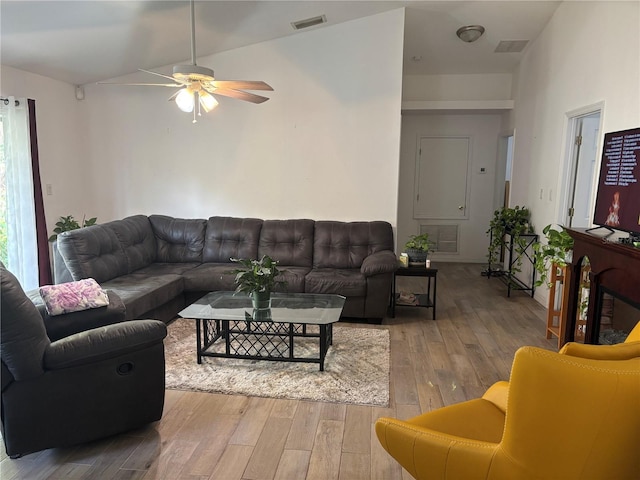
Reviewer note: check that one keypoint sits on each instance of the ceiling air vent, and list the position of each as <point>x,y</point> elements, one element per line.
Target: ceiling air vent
<point>511,46</point>
<point>309,22</point>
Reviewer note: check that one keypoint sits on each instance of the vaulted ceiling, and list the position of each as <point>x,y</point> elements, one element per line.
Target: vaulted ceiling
<point>85,41</point>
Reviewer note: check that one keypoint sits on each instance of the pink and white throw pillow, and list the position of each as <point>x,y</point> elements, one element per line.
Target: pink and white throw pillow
<point>73,296</point>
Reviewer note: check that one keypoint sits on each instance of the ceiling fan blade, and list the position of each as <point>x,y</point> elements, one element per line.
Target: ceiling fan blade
<point>241,85</point>
<point>249,97</point>
<point>143,84</point>
<point>161,75</point>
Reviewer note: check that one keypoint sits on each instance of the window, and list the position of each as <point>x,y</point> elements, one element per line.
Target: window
<point>4,254</point>
<point>17,217</point>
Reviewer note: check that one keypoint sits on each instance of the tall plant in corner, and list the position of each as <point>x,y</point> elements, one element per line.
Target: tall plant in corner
<point>556,252</point>
<point>68,223</point>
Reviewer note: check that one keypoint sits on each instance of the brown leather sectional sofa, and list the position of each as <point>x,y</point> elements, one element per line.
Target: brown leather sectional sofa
<point>158,264</point>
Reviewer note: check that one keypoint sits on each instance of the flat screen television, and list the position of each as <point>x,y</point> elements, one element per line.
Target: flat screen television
<point>618,197</point>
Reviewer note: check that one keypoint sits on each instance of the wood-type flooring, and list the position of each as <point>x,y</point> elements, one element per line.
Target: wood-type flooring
<point>433,363</point>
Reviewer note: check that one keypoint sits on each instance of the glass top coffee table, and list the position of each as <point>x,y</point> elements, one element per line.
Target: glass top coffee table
<point>228,326</point>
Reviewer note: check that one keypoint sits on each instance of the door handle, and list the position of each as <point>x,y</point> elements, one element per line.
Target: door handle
<point>460,207</point>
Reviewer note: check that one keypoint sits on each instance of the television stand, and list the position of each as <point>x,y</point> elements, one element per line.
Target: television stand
<point>615,270</point>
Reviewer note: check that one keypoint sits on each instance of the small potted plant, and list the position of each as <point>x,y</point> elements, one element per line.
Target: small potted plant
<point>557,252</point>
<point>257,278</point>
<point>417,248</point>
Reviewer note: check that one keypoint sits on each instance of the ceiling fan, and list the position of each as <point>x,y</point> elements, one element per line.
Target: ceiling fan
<point>198,85</point>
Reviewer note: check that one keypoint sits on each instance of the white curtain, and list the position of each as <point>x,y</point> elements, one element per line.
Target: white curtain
<point>22,259</point>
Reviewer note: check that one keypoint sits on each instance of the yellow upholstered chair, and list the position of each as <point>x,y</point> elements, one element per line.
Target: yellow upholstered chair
<point>559,417</point>
<point>634,335</point>
<point>619,351</point>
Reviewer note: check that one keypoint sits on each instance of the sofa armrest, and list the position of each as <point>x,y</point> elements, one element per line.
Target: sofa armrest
<point>498,394</point>
<point>102,343</point>
<point>619,351</point>
<point>428,453</point>
<point>384,261</point>
<point>60,326</point>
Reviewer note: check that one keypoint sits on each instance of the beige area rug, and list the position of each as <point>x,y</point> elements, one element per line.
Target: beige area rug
<point>356,369</point>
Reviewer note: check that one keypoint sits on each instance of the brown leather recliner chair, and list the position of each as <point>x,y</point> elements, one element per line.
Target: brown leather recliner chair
<point>86,386</point>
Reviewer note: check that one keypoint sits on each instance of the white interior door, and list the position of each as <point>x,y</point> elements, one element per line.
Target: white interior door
<point>441,178</point>
<point>583,169</point>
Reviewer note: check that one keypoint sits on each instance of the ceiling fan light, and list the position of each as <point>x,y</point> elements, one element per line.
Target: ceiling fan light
<point>184,100</point>
<point>207,101</point>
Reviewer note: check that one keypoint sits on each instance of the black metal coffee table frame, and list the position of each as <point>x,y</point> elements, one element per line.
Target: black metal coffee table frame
<point>227,326</point>
<point>259,340</point>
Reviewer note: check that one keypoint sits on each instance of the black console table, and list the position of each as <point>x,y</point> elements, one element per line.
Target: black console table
<point>516,256</point>
<point>427,300</point>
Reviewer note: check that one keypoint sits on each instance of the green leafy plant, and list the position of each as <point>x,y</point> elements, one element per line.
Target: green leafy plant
<point>556,251</point>
<point>257,275</point>
<point>66,224</point>
<point>418,242</point>
<point>508,221</point>
<point>417,248</point>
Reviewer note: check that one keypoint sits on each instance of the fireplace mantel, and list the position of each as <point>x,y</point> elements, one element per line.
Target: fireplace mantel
<point>615,269</point>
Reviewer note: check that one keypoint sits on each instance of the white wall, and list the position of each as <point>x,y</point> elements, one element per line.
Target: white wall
<point>484,131</point>
<point>483,127</point>
<point>588,53</point>
<point>457,87</point>
<point>325,146</point>
<point>61,145</point>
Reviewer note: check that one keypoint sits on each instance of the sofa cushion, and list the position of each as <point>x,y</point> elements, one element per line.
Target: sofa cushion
<point>209,277</point>
<point>290,242</point>
<point>346,282</point>
<point>93,252</point>
<point>346,244</point>
<point>141,292</point>
<point>228,237</point>
<point>179,240</point>
<point>165,268</point>
<point>294,278</point>
<point>137,240</point>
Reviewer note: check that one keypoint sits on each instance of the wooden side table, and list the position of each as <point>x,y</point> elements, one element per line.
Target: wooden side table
<point>427,300</point>
<point>557,315</point>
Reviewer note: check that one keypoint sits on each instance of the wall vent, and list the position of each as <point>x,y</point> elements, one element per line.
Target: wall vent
<point>309,22</point>
<point>511,46</point>
<point>444,238</point>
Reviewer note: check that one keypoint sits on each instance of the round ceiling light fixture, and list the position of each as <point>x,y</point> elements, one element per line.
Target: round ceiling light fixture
<point>470,33</point>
